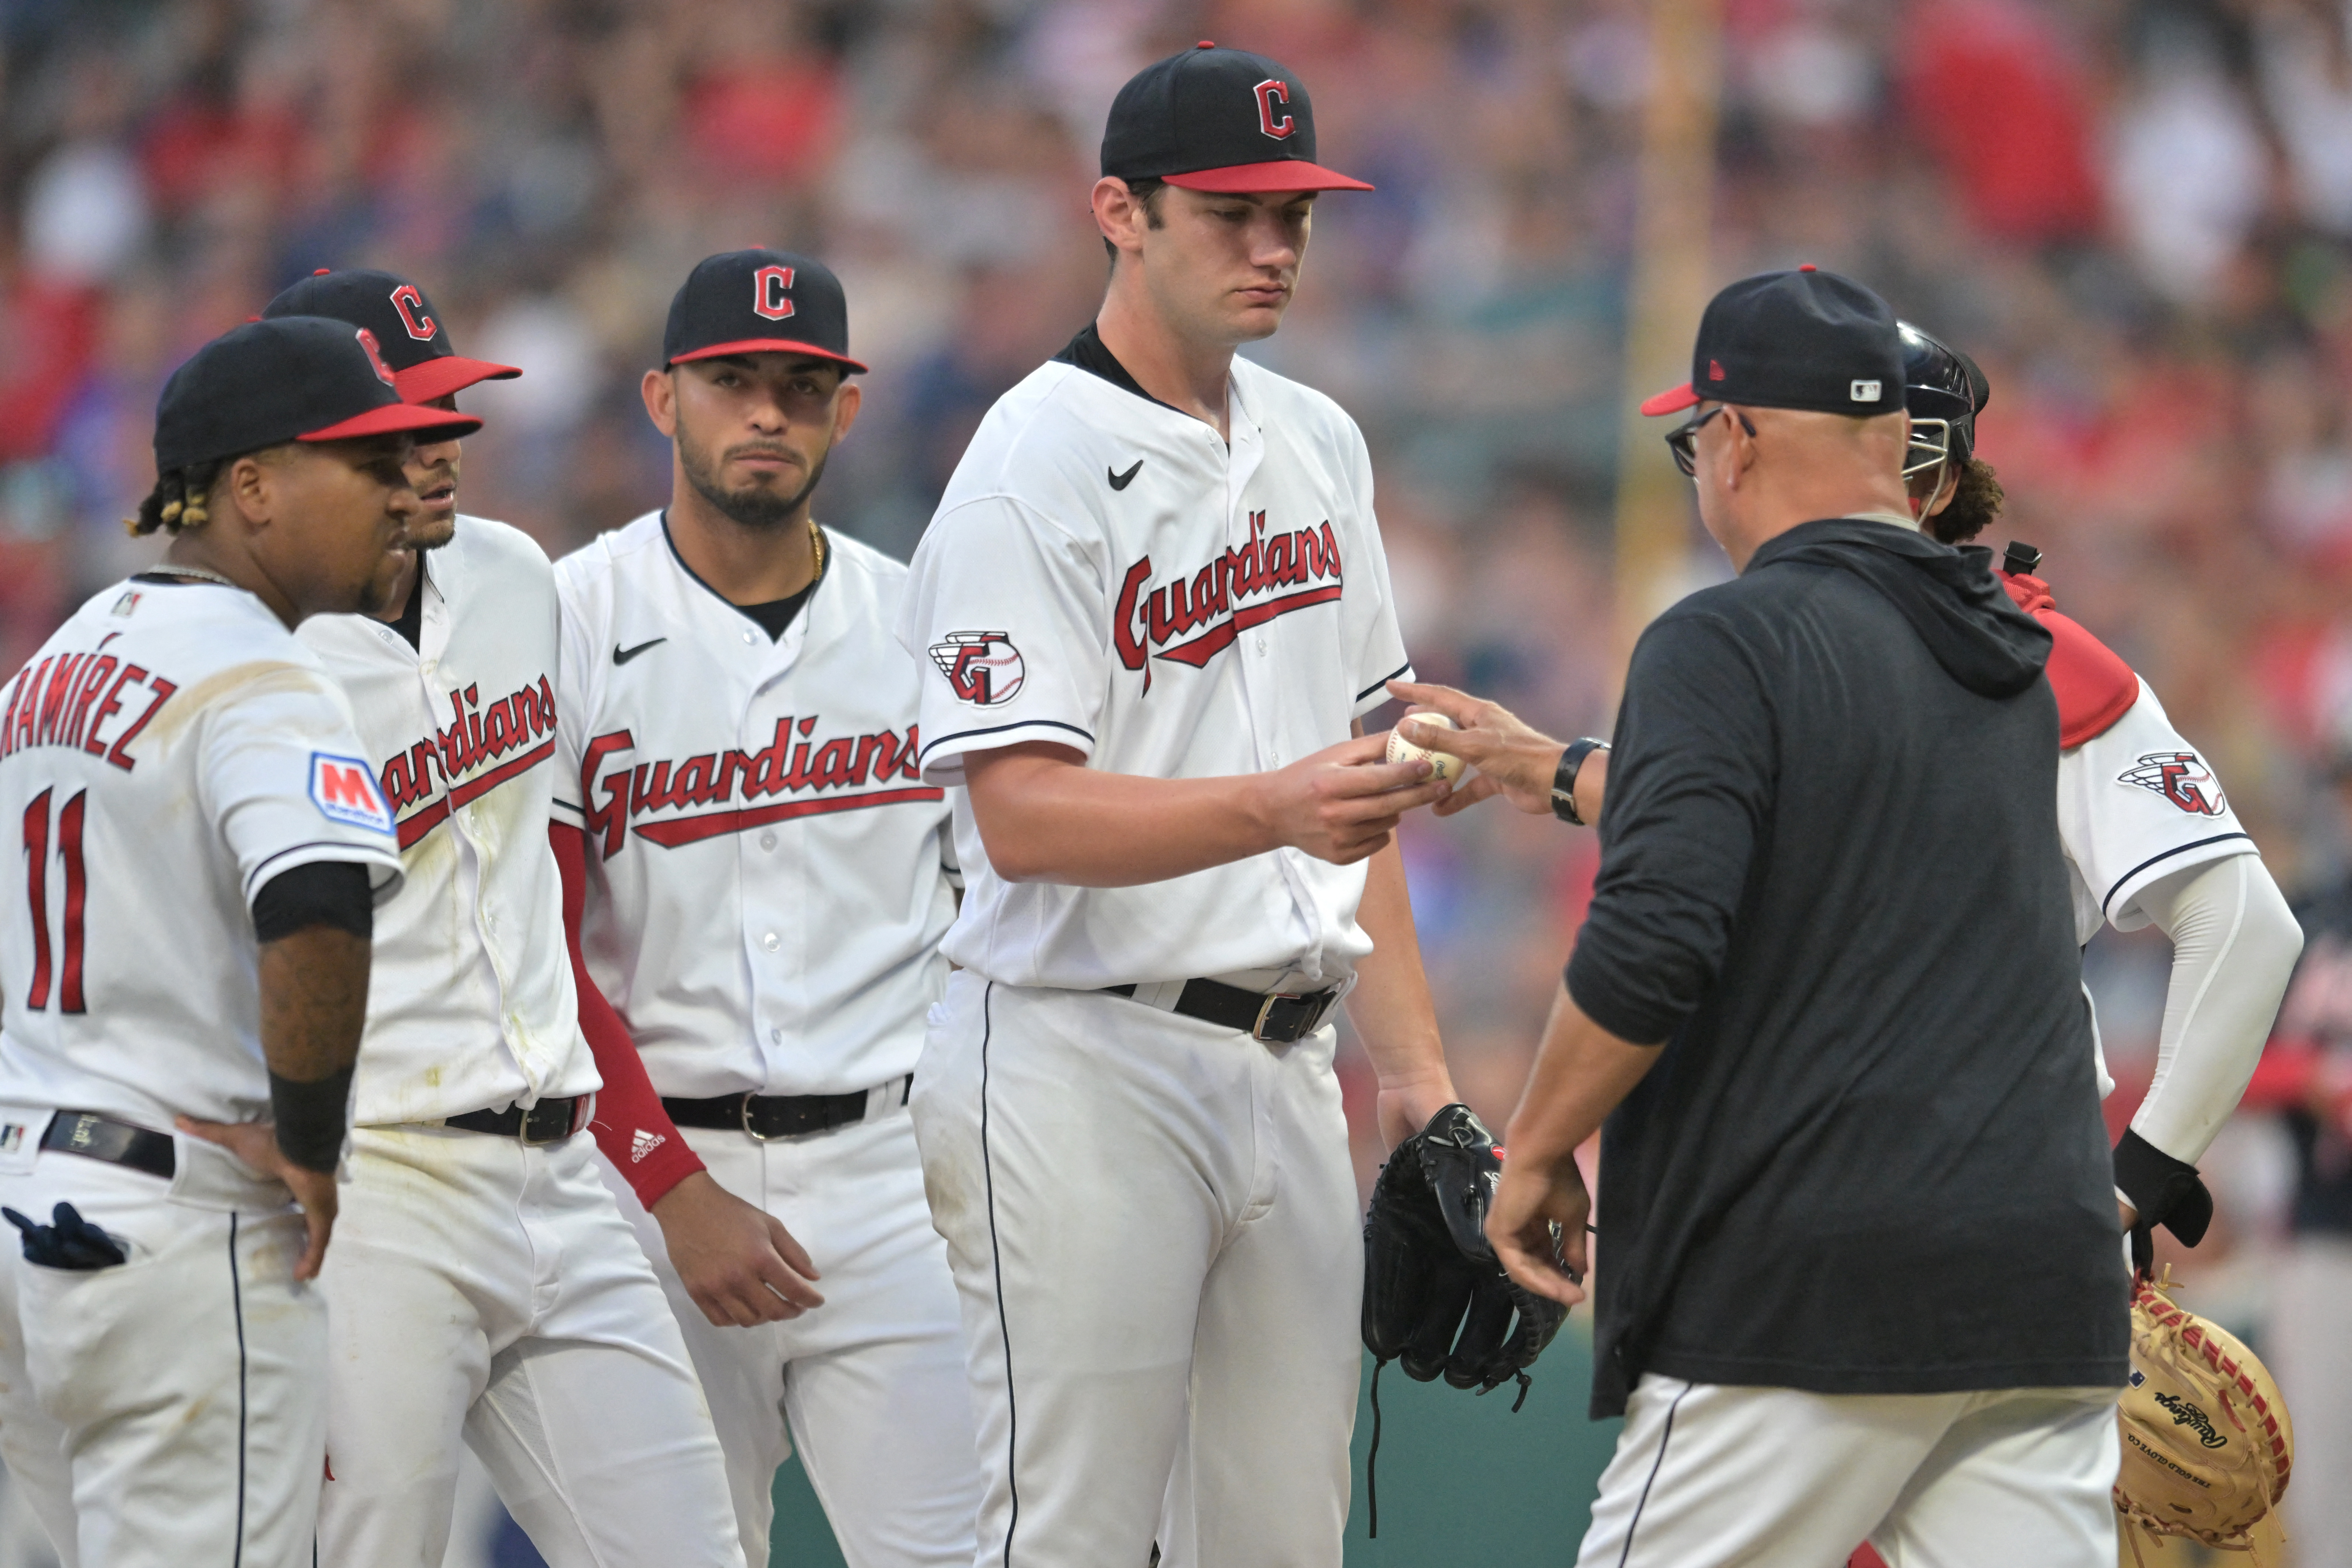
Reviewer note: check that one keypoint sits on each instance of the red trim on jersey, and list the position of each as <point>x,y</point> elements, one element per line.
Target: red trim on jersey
<point>2093,684</point>
<point>680,830</point>
<point>418,823</point>
<point>1219,637</point>
<point>628,1104</point>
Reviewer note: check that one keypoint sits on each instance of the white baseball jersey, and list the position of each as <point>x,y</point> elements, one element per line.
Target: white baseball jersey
<point>168,752</point>
<point>769,876</point>
<point>1106,573</point>
<point>470,1007</point>
<point>2135,804</point>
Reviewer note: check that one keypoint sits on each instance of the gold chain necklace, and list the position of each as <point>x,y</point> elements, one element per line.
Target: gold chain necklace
<point>816,541</point>
<point>195,572</point>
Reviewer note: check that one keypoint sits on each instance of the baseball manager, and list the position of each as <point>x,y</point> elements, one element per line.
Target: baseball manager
<point>1859,1275</point>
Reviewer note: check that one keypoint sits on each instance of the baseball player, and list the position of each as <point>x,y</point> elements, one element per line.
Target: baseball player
<point>486,1284</point>
<point>1149,610</point>
<point>759,881</point>
<point>183,945</point>
<point>2149,834</point>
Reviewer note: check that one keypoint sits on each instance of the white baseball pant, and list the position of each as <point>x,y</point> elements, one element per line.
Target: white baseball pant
<point>482,1287</point>
<point>170,1409</point>
<point>2308,1343</point>
<point>1153,1228</point>
<point>1714,1473</point>
<point>871,1385</point>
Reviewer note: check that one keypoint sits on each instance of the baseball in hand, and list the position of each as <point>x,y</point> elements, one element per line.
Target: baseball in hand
<point>1444,764</point>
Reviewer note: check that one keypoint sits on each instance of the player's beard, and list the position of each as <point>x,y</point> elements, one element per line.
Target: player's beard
<point>754,506</point>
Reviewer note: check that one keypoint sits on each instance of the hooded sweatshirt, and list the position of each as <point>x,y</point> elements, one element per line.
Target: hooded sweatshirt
<point>1869,1159</point>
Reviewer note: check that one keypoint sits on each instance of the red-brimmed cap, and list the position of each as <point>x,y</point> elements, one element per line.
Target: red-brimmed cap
<point>769,346</point>
<point>759,302</point>
<point>407,329</point>
<point>426,424</point>
<point>1671,401</point>
<point>449,374</point>
<point>1282,174</point>
<point>287,378</point>
<point>1217,120</point>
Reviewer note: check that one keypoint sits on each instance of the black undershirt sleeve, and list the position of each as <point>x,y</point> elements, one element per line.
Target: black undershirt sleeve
<point>322,893</point>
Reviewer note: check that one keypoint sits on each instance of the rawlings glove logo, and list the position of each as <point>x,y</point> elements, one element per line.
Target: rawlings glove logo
<point>2181,777</point>
<point>2187,1414</point>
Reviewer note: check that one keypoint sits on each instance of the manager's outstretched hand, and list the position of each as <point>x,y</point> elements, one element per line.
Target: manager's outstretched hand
<point>1511,758</point>
<point>1536,1194</point>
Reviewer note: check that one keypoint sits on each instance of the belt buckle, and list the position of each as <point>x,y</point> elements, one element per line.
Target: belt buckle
<point>1265,1011</point>
<point>743,1113</point>
<point>530,1141</point>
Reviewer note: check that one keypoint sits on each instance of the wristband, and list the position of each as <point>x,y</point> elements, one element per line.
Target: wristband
<point>312,1119</point>
<point>1563,779</point>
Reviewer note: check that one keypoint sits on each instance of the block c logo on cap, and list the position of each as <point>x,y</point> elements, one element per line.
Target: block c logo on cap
<point>376,358</point>
<point>1269,92</point>
<point>772,292</point>
<point>411,306</point>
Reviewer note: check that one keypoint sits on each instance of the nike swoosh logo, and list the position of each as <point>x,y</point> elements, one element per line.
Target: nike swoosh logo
<point>622,655</point>
<point>1121,481</point>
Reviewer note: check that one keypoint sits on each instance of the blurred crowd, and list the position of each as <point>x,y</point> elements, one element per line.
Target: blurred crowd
<point>2134,213</point>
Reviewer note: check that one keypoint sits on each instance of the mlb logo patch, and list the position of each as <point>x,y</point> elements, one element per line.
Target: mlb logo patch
<point>12,1137</point>
<point>127,603</point>
<point>1864,391</point>
<point>344,789</point>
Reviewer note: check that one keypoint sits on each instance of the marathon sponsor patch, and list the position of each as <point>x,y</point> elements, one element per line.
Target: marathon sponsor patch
<point>982,668</point>
<point>2181,777</point>
<point>344,789</point>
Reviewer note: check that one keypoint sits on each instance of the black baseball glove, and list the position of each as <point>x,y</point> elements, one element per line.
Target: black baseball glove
<point>1435,1295</point>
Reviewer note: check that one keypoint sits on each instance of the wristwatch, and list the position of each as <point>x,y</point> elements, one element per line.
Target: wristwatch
<point>1563,779</point>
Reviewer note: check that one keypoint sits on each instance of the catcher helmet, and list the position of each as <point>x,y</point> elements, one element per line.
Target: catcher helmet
<point>1944,391</point>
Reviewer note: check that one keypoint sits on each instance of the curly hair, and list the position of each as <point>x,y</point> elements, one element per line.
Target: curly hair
<point>181,501</point>
<point>1976,502</point>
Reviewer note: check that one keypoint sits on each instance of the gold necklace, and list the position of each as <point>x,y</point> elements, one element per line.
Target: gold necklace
<point>816,541</point>
<point>196,572</point>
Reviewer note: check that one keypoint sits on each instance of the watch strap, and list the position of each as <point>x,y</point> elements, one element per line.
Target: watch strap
<point>1563,778</point>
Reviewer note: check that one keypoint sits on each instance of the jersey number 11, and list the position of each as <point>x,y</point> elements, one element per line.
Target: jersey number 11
<point>37,888</point>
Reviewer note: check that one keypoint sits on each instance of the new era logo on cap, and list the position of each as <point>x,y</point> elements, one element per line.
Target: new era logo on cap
<point>405,333</point>
<point>733,303</point>
<point>1217,120</point>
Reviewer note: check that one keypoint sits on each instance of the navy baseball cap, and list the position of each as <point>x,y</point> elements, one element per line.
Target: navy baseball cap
<point>1806,339</point>
<point>408,331</point>
<point>1217,120</point>
<point>759,302</point>
<point>292,378</point>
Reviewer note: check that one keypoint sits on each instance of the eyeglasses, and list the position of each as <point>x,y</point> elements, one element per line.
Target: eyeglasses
<point>1682,441</point>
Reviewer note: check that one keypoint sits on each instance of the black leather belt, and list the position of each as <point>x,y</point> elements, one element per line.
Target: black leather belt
<point>116,1143</point>
<point>1275,1018</point>
<point>548,1121</point>
<point>769,1116</point>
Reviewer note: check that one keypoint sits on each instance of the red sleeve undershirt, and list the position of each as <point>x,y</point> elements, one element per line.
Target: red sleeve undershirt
<point>631,1126</point>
